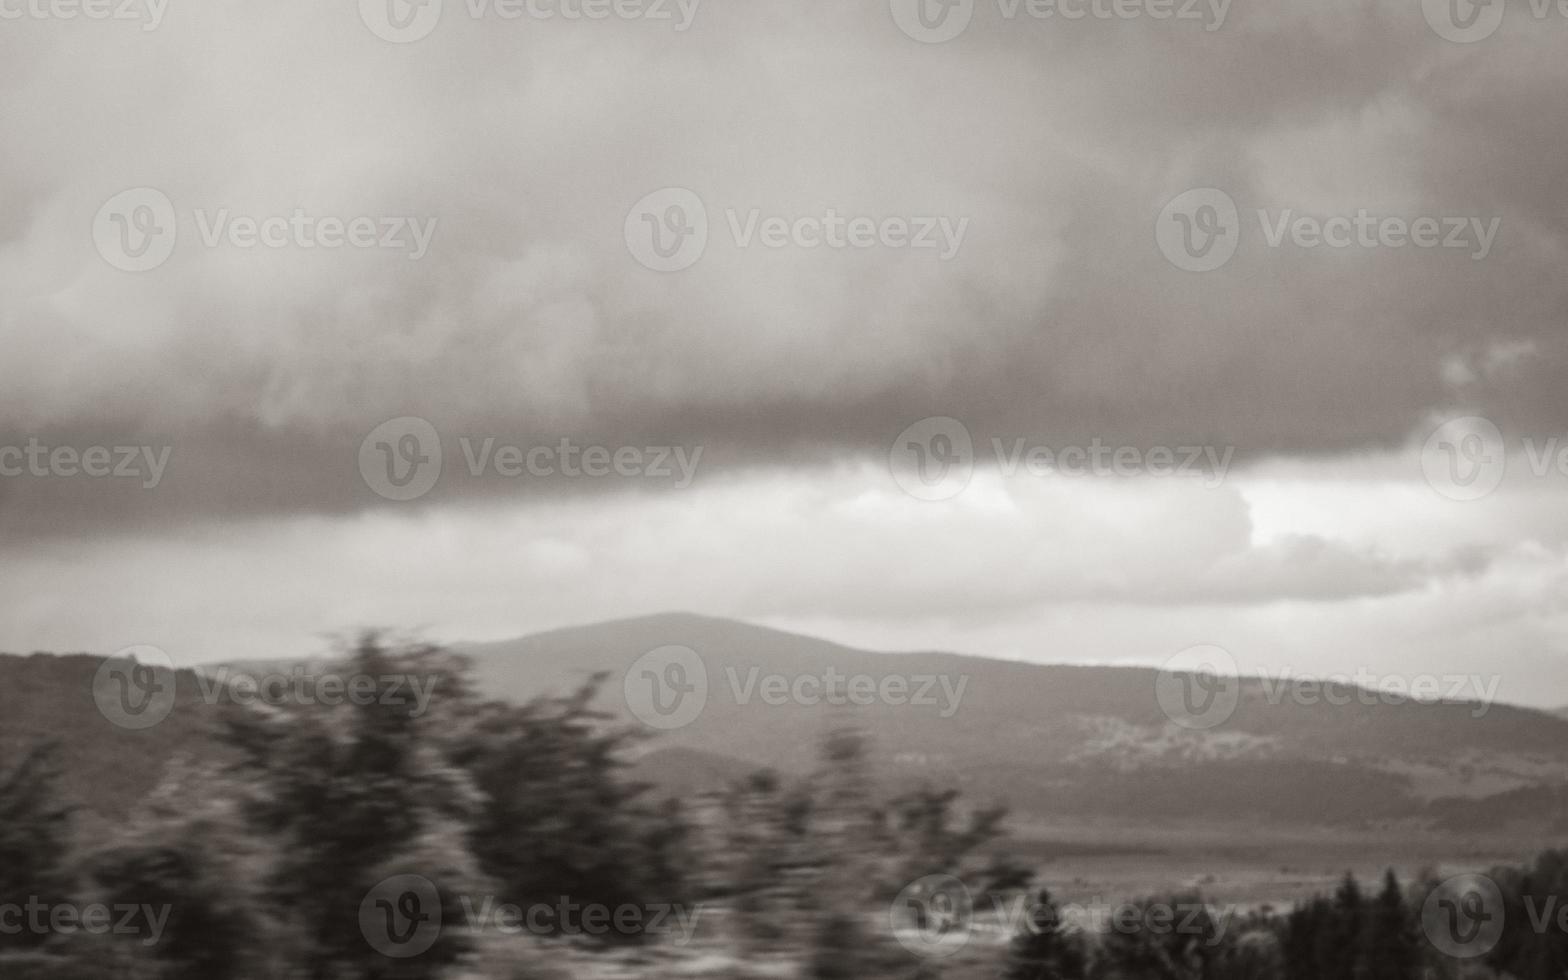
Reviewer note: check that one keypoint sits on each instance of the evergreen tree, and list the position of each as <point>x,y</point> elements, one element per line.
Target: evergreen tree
<point>1392,950</point>
<point>1047,949</point>
<point>1305,939</point>
<point>1340,942</point>
<point>1533,945</point>
<point>1251,949</point>
<point>1192,950</point>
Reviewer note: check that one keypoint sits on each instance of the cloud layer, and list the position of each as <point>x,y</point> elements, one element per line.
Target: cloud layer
<point>1058,321</point>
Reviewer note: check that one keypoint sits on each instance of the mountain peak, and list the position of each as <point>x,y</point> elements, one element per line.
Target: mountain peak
<point>676,627</point>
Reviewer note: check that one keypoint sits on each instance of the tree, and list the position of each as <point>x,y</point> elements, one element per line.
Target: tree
<point>838,949</point>
<point>351,796</point>
<point>1306,937</point>
<point>1047,948</point>
<point>1254,952</point>
<point>186,852</point>
<point>34,839</point>
<point>1339,942</point>
<point>918,829</point>
<point>1533,946</point>
<point>558,818</point>
<point>1392,950</point>
<point>1174,938</point>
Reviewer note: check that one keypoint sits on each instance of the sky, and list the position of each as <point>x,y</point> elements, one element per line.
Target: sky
<point>774,310</point>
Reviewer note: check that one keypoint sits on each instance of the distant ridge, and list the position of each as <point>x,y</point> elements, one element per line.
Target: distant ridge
<point>1054,739</point>
<point>1051,741</point>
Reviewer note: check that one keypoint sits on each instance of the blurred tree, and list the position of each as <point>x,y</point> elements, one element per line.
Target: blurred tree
<point>1254,953</point>
<point>1392,950</point>
<point>1172,938</point>
<point>186,853</point>
<point>838,949</point>
<point>1339,951</point>
<point>350,796</point>
<point>1534,944</point>
<point>34,840</point>
<point>917,829</point>
<point>1047,948</point>
<point>1305,937</point>
<point>559,819</point>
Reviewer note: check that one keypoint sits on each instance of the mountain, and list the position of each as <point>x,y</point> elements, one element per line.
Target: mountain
<point>104,768</point>
<point>1056,740</point>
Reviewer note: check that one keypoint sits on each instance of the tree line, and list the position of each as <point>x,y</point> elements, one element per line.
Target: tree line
<point>265,864</point>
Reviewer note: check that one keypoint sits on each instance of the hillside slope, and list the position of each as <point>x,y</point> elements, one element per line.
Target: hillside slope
<point>1065,739</point>
<point>1051,741</point>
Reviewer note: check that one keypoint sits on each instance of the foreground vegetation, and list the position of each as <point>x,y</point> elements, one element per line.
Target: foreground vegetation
<point>276,862</point>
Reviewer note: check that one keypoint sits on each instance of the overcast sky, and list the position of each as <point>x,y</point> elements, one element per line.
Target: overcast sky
<point>1035,155</point>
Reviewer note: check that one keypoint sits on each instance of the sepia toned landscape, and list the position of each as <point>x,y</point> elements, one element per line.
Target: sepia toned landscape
<point>413,810</point>
<point>783,490</point>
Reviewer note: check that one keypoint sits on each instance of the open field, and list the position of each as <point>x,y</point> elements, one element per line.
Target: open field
<point>1245,864</point>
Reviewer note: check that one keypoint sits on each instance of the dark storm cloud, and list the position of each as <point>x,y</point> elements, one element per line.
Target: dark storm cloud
<point>1058,321</point>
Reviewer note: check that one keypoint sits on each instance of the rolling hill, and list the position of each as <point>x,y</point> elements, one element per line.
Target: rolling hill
<point>1051,741</point>
<point>1066,739</point>
<point>104,768</point>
